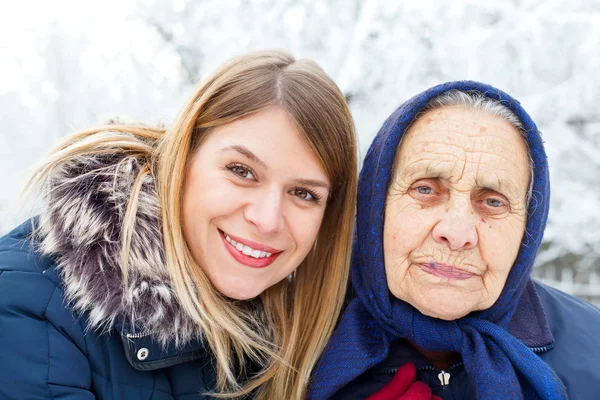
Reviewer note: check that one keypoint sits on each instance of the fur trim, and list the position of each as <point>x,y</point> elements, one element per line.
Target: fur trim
<point>81,226</point>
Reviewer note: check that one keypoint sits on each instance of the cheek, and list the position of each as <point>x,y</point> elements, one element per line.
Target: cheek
<point>304,226</point>
<point>405,229</point>
<point>397,244</point>
<point>207,193</point>
<point>499,244</point>
<point>193,195</point>
<point>205,199</point>
<point>189,209</point>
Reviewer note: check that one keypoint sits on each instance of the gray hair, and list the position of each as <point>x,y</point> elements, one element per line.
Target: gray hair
<point>477,101</point>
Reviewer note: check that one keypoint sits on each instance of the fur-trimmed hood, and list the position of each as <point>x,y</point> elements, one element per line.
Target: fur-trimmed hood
<point>81,225</point>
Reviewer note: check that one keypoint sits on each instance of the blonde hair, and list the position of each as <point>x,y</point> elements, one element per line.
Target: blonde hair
<point>298,313</point>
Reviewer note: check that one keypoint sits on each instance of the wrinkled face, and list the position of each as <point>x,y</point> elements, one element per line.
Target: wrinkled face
<point>455,212</point>
<point>254,200</point>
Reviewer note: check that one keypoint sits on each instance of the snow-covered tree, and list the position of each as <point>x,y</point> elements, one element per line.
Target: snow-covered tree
<point>82,64</point>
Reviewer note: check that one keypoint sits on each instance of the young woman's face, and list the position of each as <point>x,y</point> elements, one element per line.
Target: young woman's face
<point>253,202</point>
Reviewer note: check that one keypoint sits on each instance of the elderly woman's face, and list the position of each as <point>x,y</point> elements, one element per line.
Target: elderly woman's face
<point>456,211</point>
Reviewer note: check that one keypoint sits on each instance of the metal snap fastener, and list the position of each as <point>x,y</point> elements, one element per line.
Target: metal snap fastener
<point>142,354</point>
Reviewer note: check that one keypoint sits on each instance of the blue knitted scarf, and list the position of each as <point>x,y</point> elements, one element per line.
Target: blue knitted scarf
<point>498,364</point>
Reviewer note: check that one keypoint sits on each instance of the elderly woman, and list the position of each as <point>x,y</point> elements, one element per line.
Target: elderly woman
<point>453,202</point>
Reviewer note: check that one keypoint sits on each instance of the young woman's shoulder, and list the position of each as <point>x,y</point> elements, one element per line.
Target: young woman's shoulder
<point>20,261</point>
<point>47,350</point>
<point>17,252</point>
<point>37,330</point>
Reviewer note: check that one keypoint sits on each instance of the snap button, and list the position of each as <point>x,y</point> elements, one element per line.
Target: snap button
<point>142,354</point>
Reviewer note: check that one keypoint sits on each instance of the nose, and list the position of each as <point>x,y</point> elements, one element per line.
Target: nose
<point>458,226</point>
<point>265,212</point>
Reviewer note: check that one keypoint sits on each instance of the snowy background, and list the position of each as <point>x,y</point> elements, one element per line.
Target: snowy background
<point>67,65</point>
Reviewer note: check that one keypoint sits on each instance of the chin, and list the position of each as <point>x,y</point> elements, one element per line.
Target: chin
<point>436,309</point>
<point>241,297</point>
<point>236,292</point>
<point>444,315</point>
<point>240,293</point>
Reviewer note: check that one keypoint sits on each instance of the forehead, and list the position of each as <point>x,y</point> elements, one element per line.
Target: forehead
<point>454,142</point>
<point>271,135</point>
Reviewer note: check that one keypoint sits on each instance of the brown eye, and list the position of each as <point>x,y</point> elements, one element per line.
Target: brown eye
<point>241,171</point>
<point>305,194</point>
<point>301,193</point>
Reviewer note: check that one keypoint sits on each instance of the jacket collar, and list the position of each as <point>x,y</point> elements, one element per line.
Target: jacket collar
<point>80,227</point>
<point>529,323</point>
<point>145,354</point>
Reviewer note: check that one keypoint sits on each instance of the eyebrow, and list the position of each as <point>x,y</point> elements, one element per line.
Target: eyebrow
<point>250,155</point>
<point>417,169</point>
<point>502,186</point>
<point>246,152</point>
<point>313,183</point>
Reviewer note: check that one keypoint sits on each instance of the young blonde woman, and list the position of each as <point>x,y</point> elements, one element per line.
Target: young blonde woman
<point>206,259</point>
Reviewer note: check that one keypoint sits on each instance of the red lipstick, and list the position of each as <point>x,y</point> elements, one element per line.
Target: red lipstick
<point>248,260</point>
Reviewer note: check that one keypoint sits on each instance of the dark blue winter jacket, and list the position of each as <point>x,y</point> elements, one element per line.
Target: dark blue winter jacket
<point>70,326</point>
<point>47,352</point>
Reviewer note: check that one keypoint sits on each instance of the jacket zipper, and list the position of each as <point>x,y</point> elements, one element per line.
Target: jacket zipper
<point>542,349</point>
<point>444,375</point>
<point>136,335</point>
<point>444,378</point>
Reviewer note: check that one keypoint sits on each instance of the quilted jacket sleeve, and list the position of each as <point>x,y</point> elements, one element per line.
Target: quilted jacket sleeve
<point>42,350</point>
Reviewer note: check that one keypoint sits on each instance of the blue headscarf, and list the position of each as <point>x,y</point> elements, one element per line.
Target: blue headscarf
<point>499,365</point>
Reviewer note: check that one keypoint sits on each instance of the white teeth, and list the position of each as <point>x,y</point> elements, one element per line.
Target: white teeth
<point>230,240</point>
<point>247,250</point>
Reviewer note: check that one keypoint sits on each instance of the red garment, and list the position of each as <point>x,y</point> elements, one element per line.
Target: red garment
<point>404,386</point>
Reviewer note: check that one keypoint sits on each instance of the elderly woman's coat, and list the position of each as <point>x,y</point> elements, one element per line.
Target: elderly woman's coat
<point>69,327</point>
<point>535,342</point>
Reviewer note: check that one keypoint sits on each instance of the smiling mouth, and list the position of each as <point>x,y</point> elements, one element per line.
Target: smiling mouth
<point>445,271</point>
<point>247,250</point>
<point>249,253</point>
